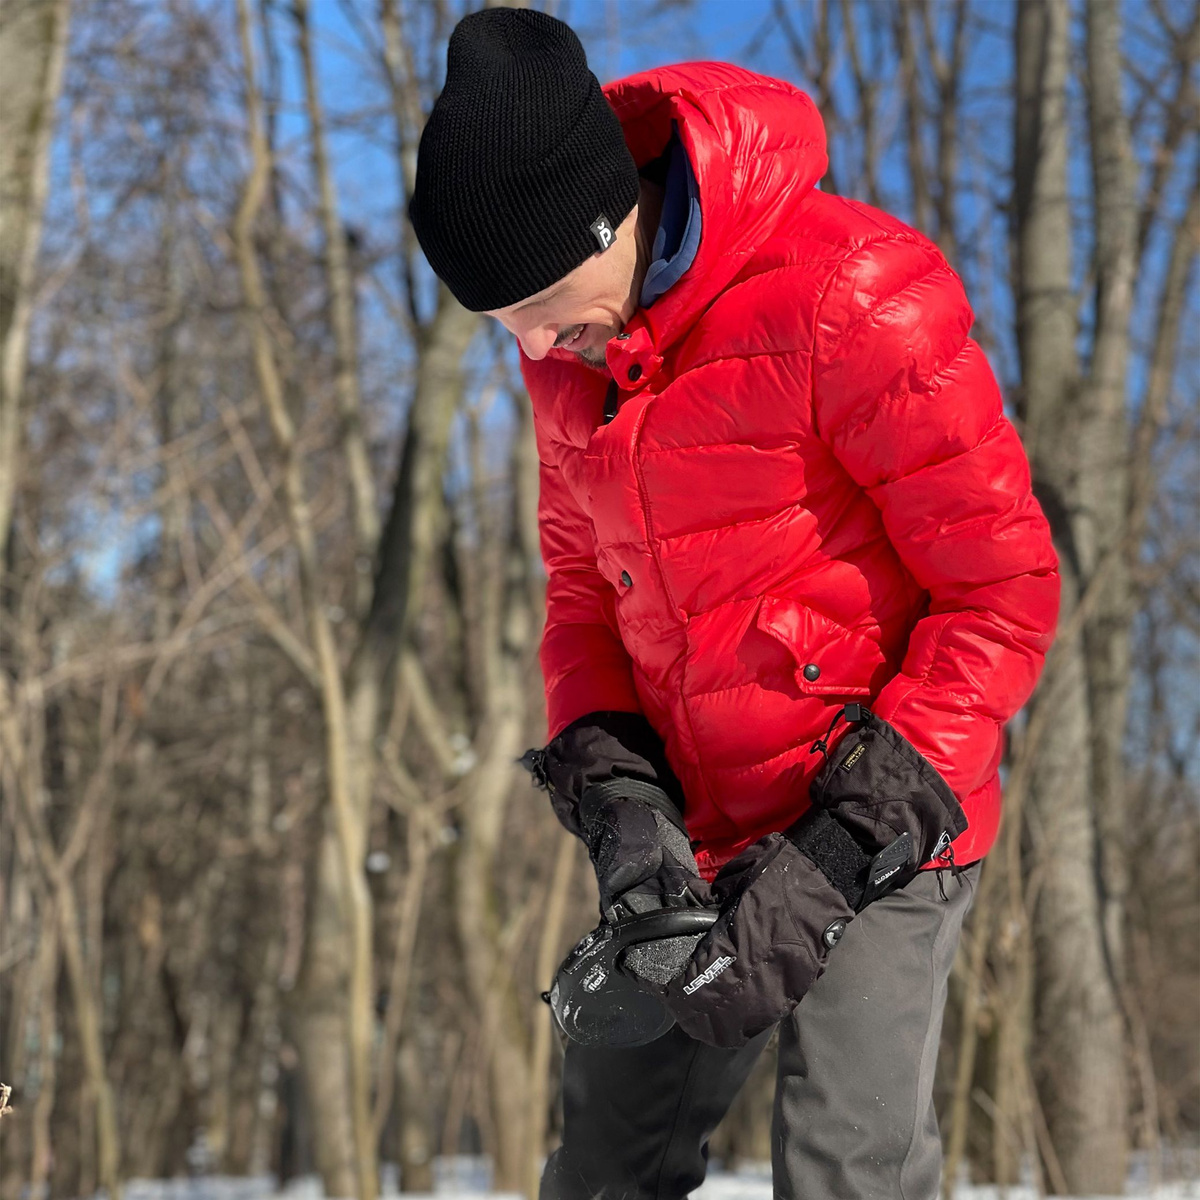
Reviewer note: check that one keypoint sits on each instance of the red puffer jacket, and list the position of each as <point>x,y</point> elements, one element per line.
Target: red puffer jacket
<point>809,493</point>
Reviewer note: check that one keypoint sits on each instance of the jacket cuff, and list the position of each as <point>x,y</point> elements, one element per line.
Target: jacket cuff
<point>600,680</point>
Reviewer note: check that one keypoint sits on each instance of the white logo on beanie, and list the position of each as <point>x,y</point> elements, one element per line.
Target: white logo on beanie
<point>603,232</point>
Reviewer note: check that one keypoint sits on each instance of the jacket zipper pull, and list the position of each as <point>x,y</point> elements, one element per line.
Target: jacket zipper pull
<point>943,854</point>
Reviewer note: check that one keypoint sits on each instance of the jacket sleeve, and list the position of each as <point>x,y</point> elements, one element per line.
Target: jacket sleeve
<point>908,404</point>
<point>584,663</point>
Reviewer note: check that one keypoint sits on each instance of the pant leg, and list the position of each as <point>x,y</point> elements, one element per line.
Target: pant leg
<point>854,1116</point>
<point>636,1122</point>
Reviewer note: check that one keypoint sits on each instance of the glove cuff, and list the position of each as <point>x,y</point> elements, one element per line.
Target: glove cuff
<point>598,795</point>
<point>597,747</point>
<point>880,785</point>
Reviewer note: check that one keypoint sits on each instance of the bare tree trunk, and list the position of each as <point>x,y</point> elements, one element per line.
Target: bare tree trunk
<point>549,952</point>
<point>342,320</point>
<point>948,72</point>
<point>87,1018</point>
<point>408,911</point>
<point>1104,479</point>
<point>490,938</point>
<point>1081,1068</point>
<point>43,1106</point>
<point>866,87</point>
<point>902,18</point>
<point>817,62</point>
<point>33,40</point>
<point>56,871</point>
<point>348,820</point>
<point>481,935</point>
<point>416,1131</point>
<point>319,1023</point>
<point>21,923</point>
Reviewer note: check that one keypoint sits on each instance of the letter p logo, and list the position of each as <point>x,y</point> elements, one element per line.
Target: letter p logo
<point>602,231</point>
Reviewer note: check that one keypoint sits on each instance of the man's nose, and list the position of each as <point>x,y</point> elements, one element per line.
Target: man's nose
<point>537,342</point>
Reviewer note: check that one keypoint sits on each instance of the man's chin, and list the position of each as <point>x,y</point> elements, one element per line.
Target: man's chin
<point>592,358</point>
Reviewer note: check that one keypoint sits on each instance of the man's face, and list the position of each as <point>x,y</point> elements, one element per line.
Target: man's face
<point>583,310</point>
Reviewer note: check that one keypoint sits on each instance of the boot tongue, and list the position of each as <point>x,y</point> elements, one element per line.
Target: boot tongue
<point>596,1003</point>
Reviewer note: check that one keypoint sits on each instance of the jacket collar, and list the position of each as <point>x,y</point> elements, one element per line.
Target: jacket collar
<point>757,148</point>
<point>678,237</point>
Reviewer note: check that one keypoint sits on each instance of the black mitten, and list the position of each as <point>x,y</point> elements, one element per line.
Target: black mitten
<point>610,784</point>
<point>643,862</point>
<point>780,917</point>
<point>879,812</point>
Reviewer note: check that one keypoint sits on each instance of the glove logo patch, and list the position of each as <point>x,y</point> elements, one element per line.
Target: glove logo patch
<point>854,756</point>
<point>709,975</point>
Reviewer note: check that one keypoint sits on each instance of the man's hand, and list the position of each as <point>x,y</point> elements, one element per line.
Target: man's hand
<point>643,862</point>
<point>879,812</point>
<point>610,784</point>
<point>780,917</point>
<point>639,848</point>
<point>879,788</point>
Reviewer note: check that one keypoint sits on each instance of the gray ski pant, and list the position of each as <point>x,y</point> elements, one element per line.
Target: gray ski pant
<point>853,1116</point>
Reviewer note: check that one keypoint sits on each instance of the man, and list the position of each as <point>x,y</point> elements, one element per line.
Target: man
<point>797,582</point>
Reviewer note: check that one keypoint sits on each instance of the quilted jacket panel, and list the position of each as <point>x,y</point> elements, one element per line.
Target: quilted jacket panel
<point>810,494</point>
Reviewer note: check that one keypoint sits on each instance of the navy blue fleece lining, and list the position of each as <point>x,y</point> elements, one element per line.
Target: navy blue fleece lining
<point>678,236</point>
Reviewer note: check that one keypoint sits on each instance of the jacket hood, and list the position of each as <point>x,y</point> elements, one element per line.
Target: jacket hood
<point>757,148</point>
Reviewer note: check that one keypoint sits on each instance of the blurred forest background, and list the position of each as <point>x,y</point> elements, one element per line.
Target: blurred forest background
<point>273,895</point>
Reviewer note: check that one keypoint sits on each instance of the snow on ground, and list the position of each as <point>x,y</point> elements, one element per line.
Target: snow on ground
<point>467,1178</point>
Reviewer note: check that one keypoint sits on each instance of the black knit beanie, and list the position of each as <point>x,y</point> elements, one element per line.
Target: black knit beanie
<point>522,171</point>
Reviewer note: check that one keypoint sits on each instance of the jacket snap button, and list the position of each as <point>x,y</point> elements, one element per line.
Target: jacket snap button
<point>833,933</point>
<point>626,579</point>
<point>624,337</point>
<point>635,373</point>
<point>812,672</point>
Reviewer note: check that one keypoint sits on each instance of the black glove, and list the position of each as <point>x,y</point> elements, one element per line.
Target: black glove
<point>610,784</point>
<point>639,848</point>
<point>643,862</point>
<point>879,812</point>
